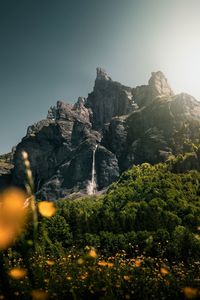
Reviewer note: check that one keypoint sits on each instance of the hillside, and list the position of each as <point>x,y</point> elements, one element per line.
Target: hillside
<point>146,206</point>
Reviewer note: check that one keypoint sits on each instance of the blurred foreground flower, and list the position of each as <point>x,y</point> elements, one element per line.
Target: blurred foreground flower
<point>92,253</point>
<point>80,261</point>
<point>39,295</point>
<point>47,209</point>
<point>138,263</point>
<point>17,273</point>
<point>191,293</point>
<point>103,263</point>
<point>164,271</point>
<point>50,262</point>
<point>13,216</point>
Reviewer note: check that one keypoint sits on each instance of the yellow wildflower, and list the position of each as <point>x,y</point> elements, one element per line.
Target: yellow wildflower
<point>190,293</point>
<point>164,271</point>
<point>103,263</point>
<point>138,263</point>
<point>17,273</point>
<point>50,262</point>
<point>47,209</point>
<point>92,253</point>
<point>110,265</point>
<point>13,216</point>
<point>39,295</point>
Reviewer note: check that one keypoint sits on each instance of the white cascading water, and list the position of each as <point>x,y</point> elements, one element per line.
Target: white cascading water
<point>91,187</point>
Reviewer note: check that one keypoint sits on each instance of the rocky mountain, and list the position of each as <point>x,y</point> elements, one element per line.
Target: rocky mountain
<point>100,136</point>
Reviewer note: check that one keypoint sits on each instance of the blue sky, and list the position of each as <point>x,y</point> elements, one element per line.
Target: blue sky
<point>49,50</point>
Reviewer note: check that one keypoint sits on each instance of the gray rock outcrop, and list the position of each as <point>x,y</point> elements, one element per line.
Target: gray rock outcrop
<point>6,167</point>
<point>109,99</point>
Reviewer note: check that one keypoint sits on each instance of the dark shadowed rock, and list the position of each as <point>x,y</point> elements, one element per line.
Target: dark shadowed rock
<point>187,162</point>
<point>115,139</point>
<point>74,176</point>
<point>106,167</point>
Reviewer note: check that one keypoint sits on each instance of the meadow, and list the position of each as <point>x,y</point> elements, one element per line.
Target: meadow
<point>138,241</point>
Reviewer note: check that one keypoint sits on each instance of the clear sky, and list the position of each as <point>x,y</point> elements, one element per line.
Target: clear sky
<point>49,50</point>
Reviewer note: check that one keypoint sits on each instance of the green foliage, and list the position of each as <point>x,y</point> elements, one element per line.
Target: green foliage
<point>145,207</point>
<point>57,230</point>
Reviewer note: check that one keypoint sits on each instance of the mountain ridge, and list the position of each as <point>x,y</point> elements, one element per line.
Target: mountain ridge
<point>147,123</point>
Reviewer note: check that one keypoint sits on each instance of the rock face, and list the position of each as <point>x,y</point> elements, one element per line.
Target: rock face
<point>128,126</point>
<point>5,169</point>
<point>157,87</point>
<point>109,99</point>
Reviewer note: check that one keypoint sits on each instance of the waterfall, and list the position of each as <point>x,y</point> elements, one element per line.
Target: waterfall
<point>91,187</point>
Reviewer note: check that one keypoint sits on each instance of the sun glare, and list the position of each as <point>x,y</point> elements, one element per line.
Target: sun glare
<point>186,72</point>
<point>179,51</point>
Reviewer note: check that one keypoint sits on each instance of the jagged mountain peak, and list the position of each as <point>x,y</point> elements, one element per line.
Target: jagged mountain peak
<point>101,74</point>
<point>108,99</point>
<point>129,125</point>
<point>159,84</point>
<point>157,87</point>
